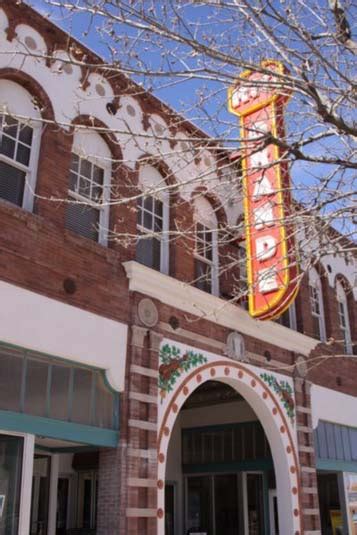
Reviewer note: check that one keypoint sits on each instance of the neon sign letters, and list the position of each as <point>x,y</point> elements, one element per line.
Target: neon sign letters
<point>258,100</point>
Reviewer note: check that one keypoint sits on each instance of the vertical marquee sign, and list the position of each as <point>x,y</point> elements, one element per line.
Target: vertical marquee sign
<point>271,257</point>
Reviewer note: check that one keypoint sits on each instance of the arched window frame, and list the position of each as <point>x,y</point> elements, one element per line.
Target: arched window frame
<point>152,182</point>
<point>206,223</point>
<point>17,103</point>
<point>90,147</point>
<point>343,316</point>
<point>288,318</point>
<point>316,303</point>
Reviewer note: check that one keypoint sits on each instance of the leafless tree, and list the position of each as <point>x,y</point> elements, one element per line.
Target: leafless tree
<point>190,52</point>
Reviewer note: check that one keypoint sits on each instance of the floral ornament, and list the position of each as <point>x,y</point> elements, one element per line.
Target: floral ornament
<point>172,365</point>
<point>284,390</point>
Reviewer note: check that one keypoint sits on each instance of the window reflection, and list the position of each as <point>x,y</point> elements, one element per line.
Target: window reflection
<point>50,388</point>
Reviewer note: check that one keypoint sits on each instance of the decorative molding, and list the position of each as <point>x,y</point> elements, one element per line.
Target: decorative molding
<point>308,469</point>
<point>309,490</point>
<point>143,398</point>
<point>155,340</point>
<point>306,449</point>
<point>173,365</point>
<point>141,424</point>
<point>300,408</point>
<point>234,371</point>
<point>235,348</point>
<point>135,512</point>
<point>303,429</point>
<point>141,482</point>
<point>141,370</point>
<point>150,454</point>
<point>193,338</point>
<point>284,391</point>
<point>194,301</point>
<point>138,335</point>
<point>312,512</point>
<point>147,312</point>
<point>301,367</point>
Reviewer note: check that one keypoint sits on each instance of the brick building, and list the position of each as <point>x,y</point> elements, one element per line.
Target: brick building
<point>131,401</point>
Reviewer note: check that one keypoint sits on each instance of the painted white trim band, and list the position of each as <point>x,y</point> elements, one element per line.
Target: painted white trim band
<point>38,323</point>
<point>194,301</point>
<point>332,406</point>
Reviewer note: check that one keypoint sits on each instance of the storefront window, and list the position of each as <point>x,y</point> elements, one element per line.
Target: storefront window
<point>51,388</point>
<point>11,452</point>
<point>11,367</point>
<point>36,387</point>
<point>351,499</point>
<point>82,396</point>
<point>331,515</point>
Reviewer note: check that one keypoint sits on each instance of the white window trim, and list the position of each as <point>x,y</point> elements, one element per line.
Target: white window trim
<point>292,316</point>
<point>31,169</point>
<point>321,317</point>
<point>164,235</point>
<point>214,262</point>
<point>104,207</point>
<point>342,299</point>
<point>165,240</point>
<point>26,479</point>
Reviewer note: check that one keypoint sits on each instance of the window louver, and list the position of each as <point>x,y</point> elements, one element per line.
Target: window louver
<point>83,220</point>
<point>12,183</point>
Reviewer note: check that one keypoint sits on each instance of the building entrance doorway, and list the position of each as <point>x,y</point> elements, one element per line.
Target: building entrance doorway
<point>64,492</point>
<point>220,471</point>
<point>226,503</point>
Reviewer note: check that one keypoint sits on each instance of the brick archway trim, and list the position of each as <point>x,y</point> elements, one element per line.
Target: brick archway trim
<point>236,371</point>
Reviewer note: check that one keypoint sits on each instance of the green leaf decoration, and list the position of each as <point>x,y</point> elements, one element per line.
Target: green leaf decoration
<point>284,391</point>
<point>173,365</point>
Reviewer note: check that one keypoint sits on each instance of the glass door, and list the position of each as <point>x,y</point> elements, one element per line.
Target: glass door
<point>273,512</point>
<point>11,453</point>
<point>199,505</point>
<point>62,505</point>
<point>87,499</point>
<point>226,504</point>
<point>254,503</point>
<point>170,509</point>
<point>40,494</point>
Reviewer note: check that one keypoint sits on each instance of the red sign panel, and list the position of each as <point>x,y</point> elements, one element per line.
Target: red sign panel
<point>271,256</point>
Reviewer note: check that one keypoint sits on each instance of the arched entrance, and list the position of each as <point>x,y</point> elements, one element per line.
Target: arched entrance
<point>270,410</point>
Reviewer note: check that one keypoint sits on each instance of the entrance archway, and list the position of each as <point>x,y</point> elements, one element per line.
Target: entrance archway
<point>269,410</point>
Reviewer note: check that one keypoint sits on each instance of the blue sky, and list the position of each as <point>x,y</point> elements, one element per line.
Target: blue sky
<point>183,95</point>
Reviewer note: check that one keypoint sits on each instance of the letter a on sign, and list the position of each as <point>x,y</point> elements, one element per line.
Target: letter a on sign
<point>271,258</point>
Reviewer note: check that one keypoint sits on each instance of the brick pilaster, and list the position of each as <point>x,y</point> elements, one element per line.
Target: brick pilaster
<point>306,451</point>
<point>141,471</point>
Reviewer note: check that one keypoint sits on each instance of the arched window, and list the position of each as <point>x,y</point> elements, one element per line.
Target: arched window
<point>20,135</point>
<point>87,212</point>
<point>317,305</point>
<point>153,225</point>
<point>206,247</point>
<point>344,317</point>
<point>288,318</point>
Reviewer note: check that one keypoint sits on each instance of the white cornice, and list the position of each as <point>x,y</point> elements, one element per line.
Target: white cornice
<point>194,301</point>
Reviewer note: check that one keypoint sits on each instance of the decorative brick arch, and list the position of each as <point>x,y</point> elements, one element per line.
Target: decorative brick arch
<point>96,125</point>
<point>33,87</point>
<point>271,415</point>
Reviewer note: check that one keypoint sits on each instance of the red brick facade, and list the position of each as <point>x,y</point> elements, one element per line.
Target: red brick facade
<point>39,254</point>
